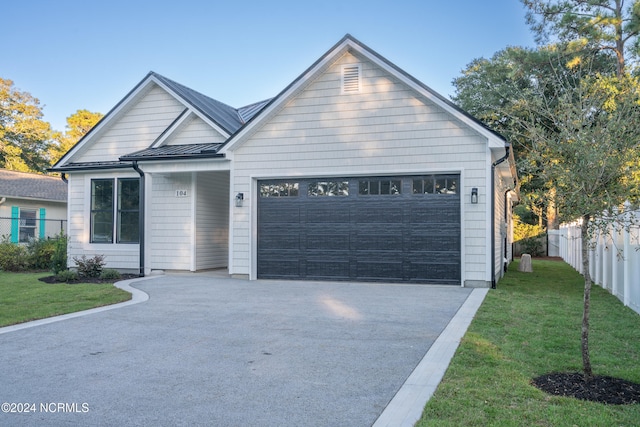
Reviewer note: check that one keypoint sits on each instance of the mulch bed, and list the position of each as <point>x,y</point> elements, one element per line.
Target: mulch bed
<point>52,279</point>
<point>602,389</point>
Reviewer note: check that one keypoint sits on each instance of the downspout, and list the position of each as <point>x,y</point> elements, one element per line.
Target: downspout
<point>64,178</point>
<point>141,215</point>
<point>493,215</point>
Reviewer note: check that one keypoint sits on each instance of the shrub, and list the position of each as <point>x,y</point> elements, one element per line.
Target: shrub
<point>89,267</point>
<point>40,253</point>
<point>110,274</point>
<point>67,276</point>
<point>13,257</point>
<point>532,246</point>
<point>59,257</point>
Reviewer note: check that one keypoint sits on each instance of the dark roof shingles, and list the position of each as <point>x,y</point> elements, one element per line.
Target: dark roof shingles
<point>32,186</point>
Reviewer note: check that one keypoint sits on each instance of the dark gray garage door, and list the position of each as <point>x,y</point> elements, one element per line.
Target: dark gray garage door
<point>391,229</point>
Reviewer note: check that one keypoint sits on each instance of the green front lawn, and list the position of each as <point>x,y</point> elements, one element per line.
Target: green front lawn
<point>529,326</point>
<point>23,297</point>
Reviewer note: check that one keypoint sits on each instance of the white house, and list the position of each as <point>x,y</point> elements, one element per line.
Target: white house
<point>355,171</point>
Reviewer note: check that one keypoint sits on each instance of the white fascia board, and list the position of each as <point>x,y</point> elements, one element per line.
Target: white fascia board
<point>175,126</point>
<point>106,120</point>
<point>192,110</point>
<point>185,165</point>
<point>493,140</point>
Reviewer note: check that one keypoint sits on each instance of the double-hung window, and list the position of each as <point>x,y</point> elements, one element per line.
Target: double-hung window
<point>27,224</point>
<point>115,210</point>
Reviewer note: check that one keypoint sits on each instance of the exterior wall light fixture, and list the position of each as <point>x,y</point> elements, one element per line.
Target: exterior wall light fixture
<point>239,199</point>
<point>474,195</point>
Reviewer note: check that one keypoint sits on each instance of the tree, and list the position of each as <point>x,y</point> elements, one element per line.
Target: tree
<point>24,137</point>
<point>78,125</point>
<point>588,26</point>
<point>498,90</point>
<point>589,157</point>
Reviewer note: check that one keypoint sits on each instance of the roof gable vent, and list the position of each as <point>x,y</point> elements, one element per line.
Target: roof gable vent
<point>351,78</point>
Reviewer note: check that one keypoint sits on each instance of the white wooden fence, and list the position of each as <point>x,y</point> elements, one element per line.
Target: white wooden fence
<point>614,256</point>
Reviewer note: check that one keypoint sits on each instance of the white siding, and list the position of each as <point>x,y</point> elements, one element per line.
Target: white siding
<point>386,128</point>
<point>119,256</point>
<point>134,130</point>
<point>196,131</point>
<point>502,229</point>
<point>170,227</point>
<point>212,220</point>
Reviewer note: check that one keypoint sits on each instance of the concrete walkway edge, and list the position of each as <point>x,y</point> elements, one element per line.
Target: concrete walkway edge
<point>406,407</point>
<point>137,296</point>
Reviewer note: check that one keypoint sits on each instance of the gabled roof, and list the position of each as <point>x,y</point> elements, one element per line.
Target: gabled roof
<point>225,118</point>
<point>349,43</point>
<point>32,186</point>
<point>234,124</point>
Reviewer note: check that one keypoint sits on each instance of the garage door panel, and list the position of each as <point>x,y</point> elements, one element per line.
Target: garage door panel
<point>374,271</point>
<point>377,214</point>
<point>364,237</point>
<point>336,269</point>
<point>280,267</point>
<point>282,213</point>
<point>327,240</point>
<point>336,213</point>
<point>435,272</point>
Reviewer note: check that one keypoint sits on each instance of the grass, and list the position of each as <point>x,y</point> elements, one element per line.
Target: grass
<point>23,297</point>
<point>529,326</point>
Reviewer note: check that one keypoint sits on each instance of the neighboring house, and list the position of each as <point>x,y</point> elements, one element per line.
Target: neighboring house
<point>31,206</point>
<point>355,171</point>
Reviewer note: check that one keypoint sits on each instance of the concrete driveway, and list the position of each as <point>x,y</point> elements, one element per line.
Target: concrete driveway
<point>209,350</point>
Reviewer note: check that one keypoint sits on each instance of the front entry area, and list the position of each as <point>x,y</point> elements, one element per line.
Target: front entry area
<point>372,229</point>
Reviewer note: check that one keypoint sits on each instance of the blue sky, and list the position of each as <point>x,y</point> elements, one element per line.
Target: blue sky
<point>88,55</point>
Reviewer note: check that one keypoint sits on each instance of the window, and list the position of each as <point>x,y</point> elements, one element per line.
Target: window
<point>27,224</point>
<point>436,184</point>
<point>328,188</point>
<point>282,189</point>
<point>380,187</point>
<point>109,218</point>
<point>128,211</point>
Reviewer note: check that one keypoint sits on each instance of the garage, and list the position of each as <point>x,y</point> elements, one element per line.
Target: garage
<point>373,229</point>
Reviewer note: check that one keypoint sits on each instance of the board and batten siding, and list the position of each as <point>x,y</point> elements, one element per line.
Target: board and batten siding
<point>118,256</point>
<point>136,129</point>
<point>387,128</point>
<point>212,220</point>
<point>171,220</point>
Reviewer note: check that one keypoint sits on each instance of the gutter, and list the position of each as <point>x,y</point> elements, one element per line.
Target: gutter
<point>493,215</point>
<point>141,222</point>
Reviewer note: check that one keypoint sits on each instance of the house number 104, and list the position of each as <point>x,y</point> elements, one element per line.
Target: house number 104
<point>181,193</point>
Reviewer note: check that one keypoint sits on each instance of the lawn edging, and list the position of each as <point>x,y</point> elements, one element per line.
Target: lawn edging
<point>137,296</point>
<point>407,405</point>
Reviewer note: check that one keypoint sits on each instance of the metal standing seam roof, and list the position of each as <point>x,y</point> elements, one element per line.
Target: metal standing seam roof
<point>224,115</point>
<point>32,186</point>
<point>174,152</point>
<point>231,119</point>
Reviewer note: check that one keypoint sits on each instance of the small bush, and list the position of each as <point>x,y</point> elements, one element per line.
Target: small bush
<point>13,257</point>
<point>89,267</point>
<point>67,276</point>
<point>40,253</point>
<point>59,257</point>
<point>110,274</point>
